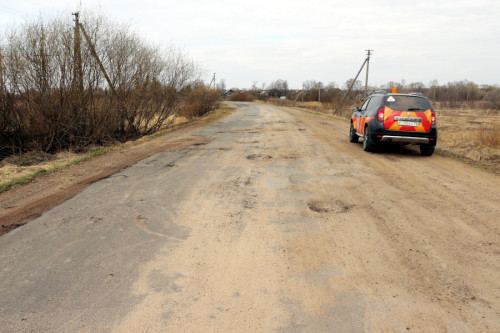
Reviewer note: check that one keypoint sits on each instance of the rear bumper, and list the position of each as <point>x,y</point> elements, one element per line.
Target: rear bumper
<point>379,134</point>
<point>403,139</point>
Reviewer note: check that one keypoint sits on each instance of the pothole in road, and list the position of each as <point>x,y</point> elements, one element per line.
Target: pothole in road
<point>259,157</point>
<point>291,157</point>
<point>327,207</point>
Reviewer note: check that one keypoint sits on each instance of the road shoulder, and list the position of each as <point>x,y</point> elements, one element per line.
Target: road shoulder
<point>28,201</point>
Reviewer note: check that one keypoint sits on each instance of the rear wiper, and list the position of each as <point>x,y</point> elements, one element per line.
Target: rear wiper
<point>415,109</point>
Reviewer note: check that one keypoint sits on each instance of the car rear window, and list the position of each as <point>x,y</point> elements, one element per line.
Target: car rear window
<point>407,103</point>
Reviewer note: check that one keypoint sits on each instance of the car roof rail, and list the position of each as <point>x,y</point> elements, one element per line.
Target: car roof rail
<point>379,92</point>
<point>416,94</point>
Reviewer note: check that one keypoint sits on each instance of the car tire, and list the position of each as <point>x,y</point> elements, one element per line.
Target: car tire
<point>426,150</point>
<point>353,137</point>
<point>367,144</point>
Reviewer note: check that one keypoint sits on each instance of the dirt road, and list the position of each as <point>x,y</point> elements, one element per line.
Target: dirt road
<point>271,221</point>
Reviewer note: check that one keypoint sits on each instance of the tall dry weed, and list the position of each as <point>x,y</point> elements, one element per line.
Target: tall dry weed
<point>489,135</point>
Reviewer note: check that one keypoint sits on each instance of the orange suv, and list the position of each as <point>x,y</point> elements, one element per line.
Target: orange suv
<point>386,118</point>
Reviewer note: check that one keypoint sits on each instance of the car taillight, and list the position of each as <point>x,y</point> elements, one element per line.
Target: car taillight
<point>380,115</point>
<point>433,118</point>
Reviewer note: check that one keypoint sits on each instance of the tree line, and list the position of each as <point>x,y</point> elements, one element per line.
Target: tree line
<point>452,94</point>
<point>59,90</point>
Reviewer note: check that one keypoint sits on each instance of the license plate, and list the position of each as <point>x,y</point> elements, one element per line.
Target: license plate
<point>407,123</point>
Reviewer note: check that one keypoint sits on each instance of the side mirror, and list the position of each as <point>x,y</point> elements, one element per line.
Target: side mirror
<point>355,109</point>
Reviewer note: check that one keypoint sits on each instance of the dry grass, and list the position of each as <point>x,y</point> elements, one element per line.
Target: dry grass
<point>471,133</point>
<point>18,169</point>
<point>489,135</point>
<point>15,167</point>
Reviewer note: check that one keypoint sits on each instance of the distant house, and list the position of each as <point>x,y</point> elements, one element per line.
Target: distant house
<point>227,93</point>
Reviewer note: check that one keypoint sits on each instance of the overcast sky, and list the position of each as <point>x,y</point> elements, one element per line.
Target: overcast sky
<point>247,41</point>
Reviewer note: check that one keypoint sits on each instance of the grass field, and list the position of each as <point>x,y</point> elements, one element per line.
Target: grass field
<point>472,133</point>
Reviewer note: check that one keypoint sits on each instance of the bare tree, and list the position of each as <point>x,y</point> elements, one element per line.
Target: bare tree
<point>222,85</point>
<point>278,88</point>
<point>40,107</point>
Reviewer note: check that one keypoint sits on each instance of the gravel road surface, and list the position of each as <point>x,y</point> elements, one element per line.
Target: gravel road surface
<point>271,222</point>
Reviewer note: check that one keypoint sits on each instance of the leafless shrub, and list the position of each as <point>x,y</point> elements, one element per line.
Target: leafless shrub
<point>242,96</point>
<point>42,105</point>
<point>199,101</point>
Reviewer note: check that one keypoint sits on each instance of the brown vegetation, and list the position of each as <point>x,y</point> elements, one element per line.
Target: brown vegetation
<point>242,96</point>
<point>489,135</point>
<point>198,101</point>
<point>47,103</point>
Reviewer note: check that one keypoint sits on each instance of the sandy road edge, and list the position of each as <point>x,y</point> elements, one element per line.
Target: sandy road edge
<point>25,202</point>
<point>439,151</point>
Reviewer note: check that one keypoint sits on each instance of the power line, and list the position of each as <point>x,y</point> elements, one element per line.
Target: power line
<point>11,11</point>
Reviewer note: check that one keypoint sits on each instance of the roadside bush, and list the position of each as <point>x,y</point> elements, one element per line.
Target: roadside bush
<point>199,101</point>
<point>242,97</point>
<point>47,105</point>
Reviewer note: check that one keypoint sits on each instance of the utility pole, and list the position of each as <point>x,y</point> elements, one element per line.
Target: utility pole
<point>354,81</point>
<point>101,66</point>
<point>78,72</point>
<point>213,80</point>
<point>300,93</point>
<point>368,54</point>
<point>2,84</point>
<point>3,89</point>
<point>43,56</point>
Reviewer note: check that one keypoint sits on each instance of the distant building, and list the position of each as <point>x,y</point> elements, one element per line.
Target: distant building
<point>227,93</point>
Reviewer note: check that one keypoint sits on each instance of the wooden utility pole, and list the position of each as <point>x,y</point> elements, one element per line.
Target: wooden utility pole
<point>213,80</point>
<point>368,54</point>
<point>2,83</point>
<point>94,53</point>
<point>78,71</point>
<point>3,89</point>
<point>44,56</point>
<point>367,60</point>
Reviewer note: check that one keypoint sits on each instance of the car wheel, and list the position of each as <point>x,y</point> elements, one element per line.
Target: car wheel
<point>367,145</point>
<point>353,137</point>
<point>426,150</point>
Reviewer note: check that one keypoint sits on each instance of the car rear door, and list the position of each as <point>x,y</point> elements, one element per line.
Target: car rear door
<point>407,113</point>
